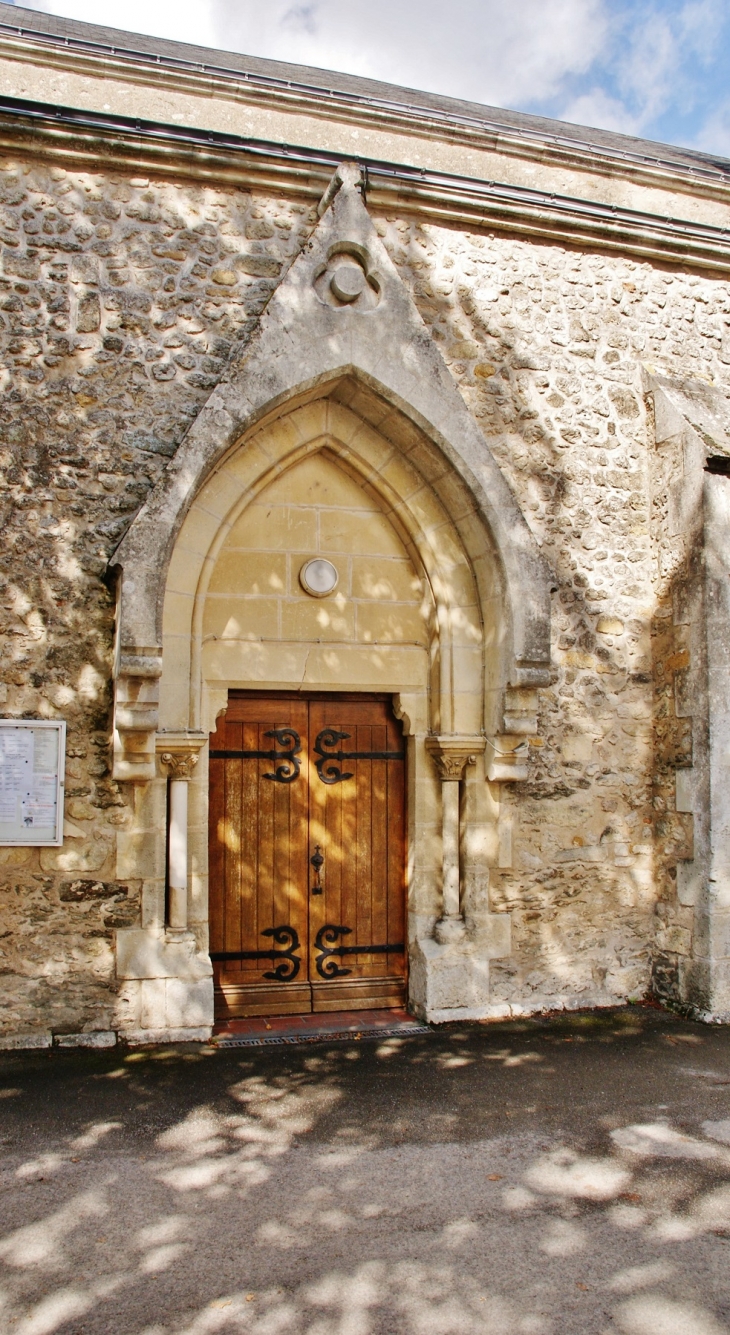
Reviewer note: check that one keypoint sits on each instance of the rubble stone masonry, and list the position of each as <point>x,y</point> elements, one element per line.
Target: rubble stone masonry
<point>121,300</point>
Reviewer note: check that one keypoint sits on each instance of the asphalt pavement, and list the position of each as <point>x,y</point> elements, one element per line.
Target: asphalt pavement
<point>560,1176</point>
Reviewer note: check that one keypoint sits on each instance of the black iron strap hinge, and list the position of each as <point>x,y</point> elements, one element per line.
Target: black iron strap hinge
<point>286,762</point>
<point>286,961</point>
<point>325,944</point>
<point>329,763</point>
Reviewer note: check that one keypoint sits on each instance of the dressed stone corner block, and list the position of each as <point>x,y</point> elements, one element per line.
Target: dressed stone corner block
<point>136,716</point>
<point>166,984</point>
<point>506,758</point>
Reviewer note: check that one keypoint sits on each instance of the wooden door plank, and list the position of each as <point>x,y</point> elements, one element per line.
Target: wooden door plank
<point>379,828</point>
<point>322,908</point>
<point>232,936</point>
<point>265,863</point>
<point>249,834</point>
<point>363,925</point>
<point>297,714</point>
<point>396,852</point>
<point>355,994</point>
<point>266,902</point>
<point>345,795</point>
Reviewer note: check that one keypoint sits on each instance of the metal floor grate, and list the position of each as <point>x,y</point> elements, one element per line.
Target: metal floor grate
<point>324,1036</point>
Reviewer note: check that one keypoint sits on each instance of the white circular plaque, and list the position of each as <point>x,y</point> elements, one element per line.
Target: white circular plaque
<point>319,577</point>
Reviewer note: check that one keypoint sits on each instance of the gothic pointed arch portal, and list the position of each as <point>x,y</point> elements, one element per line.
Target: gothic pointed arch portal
<point>322,481</point>
<point>340,434</point>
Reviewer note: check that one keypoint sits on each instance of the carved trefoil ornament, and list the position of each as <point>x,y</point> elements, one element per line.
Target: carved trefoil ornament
<point>347,279</point>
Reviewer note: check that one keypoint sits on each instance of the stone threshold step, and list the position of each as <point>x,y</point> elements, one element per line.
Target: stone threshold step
<point>336,1026</point>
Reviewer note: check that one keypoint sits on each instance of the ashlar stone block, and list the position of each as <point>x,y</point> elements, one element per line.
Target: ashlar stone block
<point>449,982</point>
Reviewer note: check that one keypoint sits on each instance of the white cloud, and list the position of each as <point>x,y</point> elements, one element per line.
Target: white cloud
<point>657,61</point>
<point>646,71</point>
<point>701,23</point>
<point>482,50</point>
<point>596,107</point>
<point>475,49</point>
<point>714,137</point>
<point>180,20</point>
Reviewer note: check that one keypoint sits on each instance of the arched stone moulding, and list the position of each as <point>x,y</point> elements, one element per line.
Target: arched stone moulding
<point>438,680</point>
<point>431,539</point>
<point>308,341</point>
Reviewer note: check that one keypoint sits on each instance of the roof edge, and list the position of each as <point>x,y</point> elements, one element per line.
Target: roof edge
<point>25,34</point>
<point>78,139</point>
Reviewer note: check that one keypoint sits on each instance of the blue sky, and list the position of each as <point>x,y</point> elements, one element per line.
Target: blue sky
<point>655,68</point>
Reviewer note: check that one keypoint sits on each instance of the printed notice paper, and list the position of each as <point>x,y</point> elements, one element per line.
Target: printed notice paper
<point>31,781</point>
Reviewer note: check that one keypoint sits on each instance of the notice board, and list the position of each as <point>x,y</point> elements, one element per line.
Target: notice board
<point>32,756</point>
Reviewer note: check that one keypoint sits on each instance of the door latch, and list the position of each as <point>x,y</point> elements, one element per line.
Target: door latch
<point>317,861</point>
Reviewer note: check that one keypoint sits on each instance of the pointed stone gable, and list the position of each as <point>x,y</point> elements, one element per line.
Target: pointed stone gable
<point>342,309</point>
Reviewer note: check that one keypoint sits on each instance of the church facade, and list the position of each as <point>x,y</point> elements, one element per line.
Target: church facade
<point>367,523</point>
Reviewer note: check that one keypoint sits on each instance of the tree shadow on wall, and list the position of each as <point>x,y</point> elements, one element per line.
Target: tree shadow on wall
<point>540,343</point>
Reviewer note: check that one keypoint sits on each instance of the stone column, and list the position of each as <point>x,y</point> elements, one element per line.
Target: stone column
<point>451,755</point>
<point>179,763</point>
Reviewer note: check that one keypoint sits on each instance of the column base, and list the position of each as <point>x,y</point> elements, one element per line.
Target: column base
<point>180,936</point>
<point>142,1037</point>
<point>166,983</point>
<point>449,981</point>
<point>450,930</point>
<point>449,975</point>
<point>165,1006</point>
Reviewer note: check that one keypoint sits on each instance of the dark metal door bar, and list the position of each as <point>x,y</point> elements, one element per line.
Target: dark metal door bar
<point>286,762</point>
<point>328,765</point>
<point>289,963</point>
<point>324,942</point>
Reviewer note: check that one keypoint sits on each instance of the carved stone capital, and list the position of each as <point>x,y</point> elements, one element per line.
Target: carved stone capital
<point>179,764</point>
<point>179,752</point>
<point>452,754</point>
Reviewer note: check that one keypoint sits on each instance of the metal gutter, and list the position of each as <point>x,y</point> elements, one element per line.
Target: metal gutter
<point>94,139</point>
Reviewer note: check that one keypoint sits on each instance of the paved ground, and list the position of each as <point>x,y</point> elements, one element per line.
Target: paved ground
<point>567,1176</point>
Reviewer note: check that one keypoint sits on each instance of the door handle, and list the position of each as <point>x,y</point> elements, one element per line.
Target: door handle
<point>317,861</point>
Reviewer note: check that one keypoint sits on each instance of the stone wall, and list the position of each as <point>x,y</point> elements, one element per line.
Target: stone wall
<point>121,300</point>
<point>551,350</point>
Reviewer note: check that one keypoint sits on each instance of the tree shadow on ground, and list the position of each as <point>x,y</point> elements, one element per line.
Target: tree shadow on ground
<point>570,1173</point>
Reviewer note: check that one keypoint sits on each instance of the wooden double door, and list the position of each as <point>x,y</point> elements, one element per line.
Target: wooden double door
<point>307,855</point>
